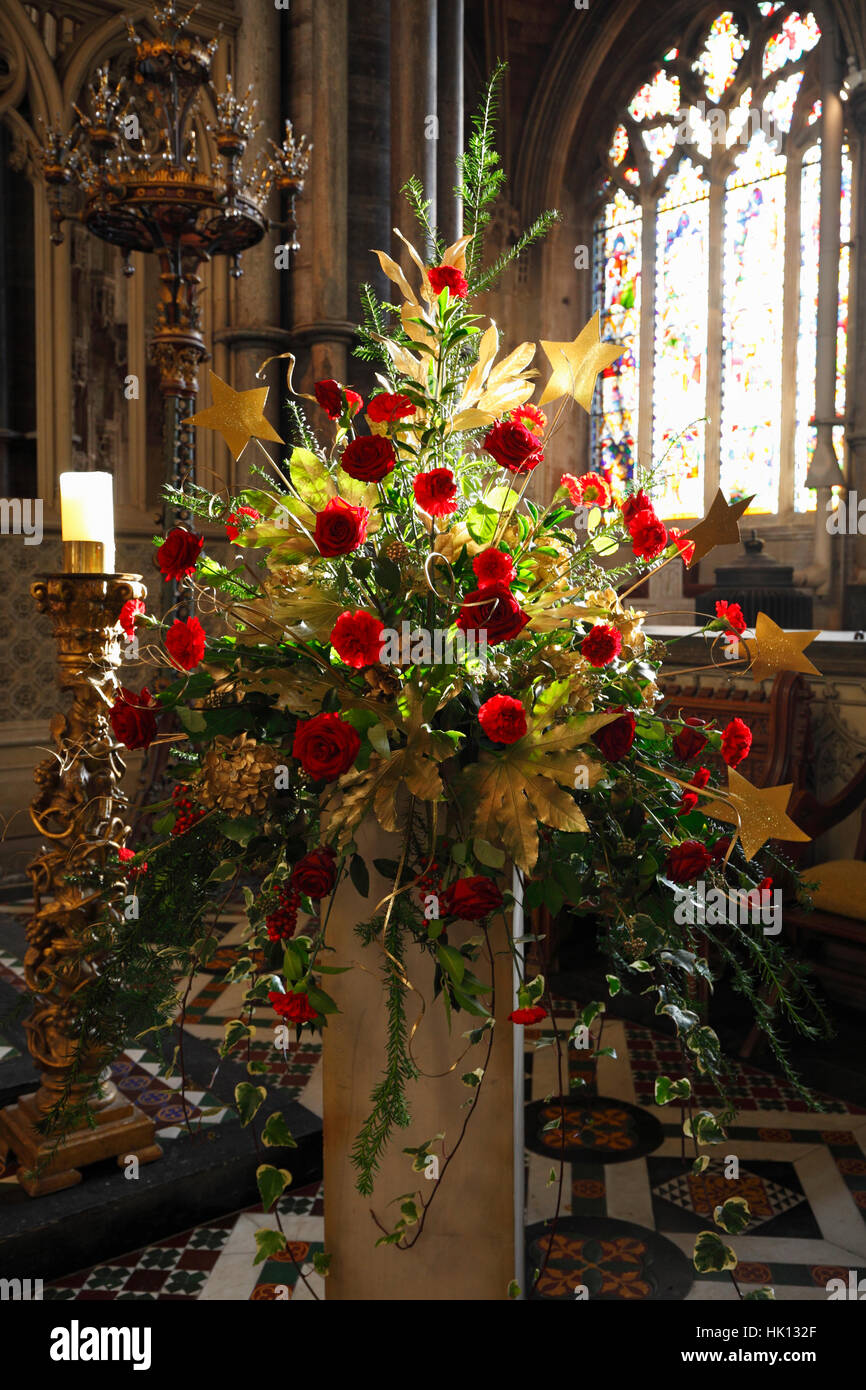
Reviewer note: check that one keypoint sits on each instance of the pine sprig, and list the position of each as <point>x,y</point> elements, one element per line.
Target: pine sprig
<point>480,174</point>
<point>413,191</point>
<point>489,276</point>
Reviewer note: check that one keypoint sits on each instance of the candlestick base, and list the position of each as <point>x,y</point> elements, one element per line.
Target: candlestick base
<point>122,1131</point>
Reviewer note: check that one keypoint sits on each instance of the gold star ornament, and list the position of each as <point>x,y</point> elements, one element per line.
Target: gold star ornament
<point>720,526</point>
<point>237,415</point>
<point>576,365</point>
<point>759,813</point>
<point>773,650</point>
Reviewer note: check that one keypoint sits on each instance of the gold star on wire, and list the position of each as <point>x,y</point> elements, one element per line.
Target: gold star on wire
<point>762,813</point>
<point>236,415</point>
<point>719,527</point>
<point>773,650</point>
<point>576,365</point>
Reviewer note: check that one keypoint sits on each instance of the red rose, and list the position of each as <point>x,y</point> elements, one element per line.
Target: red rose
<point>184,642</point>
<point>732,614</point>
<point>436,491</point>
<point>589,490</point>
<point>340,528</point>
<point>316,873</point>
<point>389,408</point>
<point>687,861</point>
<point>616,738</point>
<point>530,416</point>
<point>293,1007</point>
<point>370,458</point>
<point>601,645</point>
<point>503,719</point>
<point>132,609</point>
<point>689,742</point>
<point>136,871</point>
<point>648,535</point>
<point>689,800</point>
<point>493,610</point>
<point>493,567</point>
<point>133,718</point>
<point>471,898</point>
<point>513,446</point>
<point>534,1014</point>
<point>447,277</point>
<point>685,547</point>
<point>719,848</point>
<point>233,521</point>
<point>326,746</point>
<point>178,553</point>
<point>736,742</point>
<point>330,395</point>
<point>357,638</point>
<point>636,502</point>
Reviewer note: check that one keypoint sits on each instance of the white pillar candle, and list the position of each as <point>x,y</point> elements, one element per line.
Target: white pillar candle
<point>87,511</point>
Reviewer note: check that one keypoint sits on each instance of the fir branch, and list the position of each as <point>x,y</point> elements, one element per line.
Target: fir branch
<point>301,430</point>
<point>488,277</point>
<point>413,192</point>
<point>480,174</point>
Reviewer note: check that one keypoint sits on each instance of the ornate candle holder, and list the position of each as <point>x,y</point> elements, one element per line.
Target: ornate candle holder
<point>78,809</point>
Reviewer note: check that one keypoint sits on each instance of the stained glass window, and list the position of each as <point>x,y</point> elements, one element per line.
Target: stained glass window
<point>706,268</point>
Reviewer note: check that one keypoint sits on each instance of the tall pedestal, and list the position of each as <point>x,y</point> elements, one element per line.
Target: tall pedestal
<point>466,1250</point>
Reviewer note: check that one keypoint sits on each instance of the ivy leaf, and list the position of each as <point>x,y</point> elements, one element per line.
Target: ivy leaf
<point>513,1289</point>
<point>667,1090</point>
<point>322,1263</point>
<point>704,1128</point>
<point>733,1216</point>
<point>223,871</point>
<point>268,1243</point>
<point>452,962</point>
<point>240,830</point>
<point>613,984</point>
<point>760,1295</point>
<point>235,1031</point>
<point>711,1255</point>
<point>248,1099</point>
<point>276,1133</point>
<point>700,1163</point>
<point>272,1183</point>
<point>360,874</point>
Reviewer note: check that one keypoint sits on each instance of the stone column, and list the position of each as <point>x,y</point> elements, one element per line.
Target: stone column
<point>450,83</point>
<point>369,161</point>
<point>413,109</point>
<point>854,609</point>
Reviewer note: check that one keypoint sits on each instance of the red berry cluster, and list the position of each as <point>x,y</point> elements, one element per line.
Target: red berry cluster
<point>284,918</point>
<point>186,813</point>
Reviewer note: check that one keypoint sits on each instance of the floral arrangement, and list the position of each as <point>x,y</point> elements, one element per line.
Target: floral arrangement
<point>418,633</point>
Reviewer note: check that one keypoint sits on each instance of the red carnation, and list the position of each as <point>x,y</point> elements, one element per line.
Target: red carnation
<point>293,1007</point>
<point>689,741</point>
<point>133,718</point>
<point>370,458</point>
<point>326,746</point>
<point>493,567</point>
<point>184,642</point>
<point>689,801</point>
<point>436,491</point>
<point>616,738</point>
<point>635,502</point>
<point>687,861</point>
<point>340,528</point>
<point>125,855</point>
<point>530,416</point>
<point>493,610</point>
<point>732,614</point>
<point>330,395</point>
<point>513,446</point>
<point>357,638</point>
<point>719,848</point>
<point>178,553</point>
<point>534,1014</point>
<point>589,490</point>
<point>316,874</point>
<point>389,408</point>
<point>233,520</point>
<point>448,277</point>
<point>503,719</point>
<point>471,898</point>
<point>736,742</point>
<point>601,645</point>
<point>132,609</point>
<point>684,546</point>
<point>648,535</point>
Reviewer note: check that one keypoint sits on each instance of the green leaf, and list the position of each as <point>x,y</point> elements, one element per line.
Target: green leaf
<point>700,1163</point>
<point>711,1255</point>
<point>513,1290</point>
<point>192,719</point>
<point>604,545</point>
<point>248,1099</point>
<point>223,871</point>
<point>667,1090</point>
<point>482,522</point>
<point>488,854</point>
<point>378,736</point>
<point>704,1128</point>
<point>760,1295</point>
<point>311,479</point>
<point>294,962</point>
<point>235,1031</point>
<point>613,984</point>
<point>360,874</point>
<point>321,1002</point>
<point>386,867</point>
<point>268,1243</point>
<point>473,1078</point>
<point>733,1216</point>
<point>272,1183</point>
<point>322,1263</point>
<point>241,830</point>
<point>452,962</point>
<point>276,1133</point>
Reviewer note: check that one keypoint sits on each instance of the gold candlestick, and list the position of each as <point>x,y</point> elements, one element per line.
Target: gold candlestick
<point>78,809</point>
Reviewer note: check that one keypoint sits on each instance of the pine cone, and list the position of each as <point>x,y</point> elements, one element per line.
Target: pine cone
<point>237,776</point>
<point>398,551</point>
<point>384,685</point>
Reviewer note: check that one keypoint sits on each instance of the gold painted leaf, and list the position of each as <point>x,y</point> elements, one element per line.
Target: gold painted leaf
<point>487,349</point>
<point>513,365</point>
<point>395,274</point>
<point>456,254</point>
<point>472,420</point>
